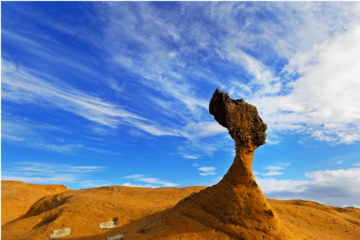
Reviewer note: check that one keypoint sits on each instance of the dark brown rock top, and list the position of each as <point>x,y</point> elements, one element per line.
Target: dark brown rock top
<point>240,118</point>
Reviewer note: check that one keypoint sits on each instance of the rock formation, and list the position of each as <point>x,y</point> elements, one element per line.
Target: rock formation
<point>236,206</point>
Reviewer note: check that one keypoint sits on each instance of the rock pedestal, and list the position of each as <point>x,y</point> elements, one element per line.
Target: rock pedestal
<point>236,206</point>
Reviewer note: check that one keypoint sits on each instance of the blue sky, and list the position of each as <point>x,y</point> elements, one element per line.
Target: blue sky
<point>117,93</point>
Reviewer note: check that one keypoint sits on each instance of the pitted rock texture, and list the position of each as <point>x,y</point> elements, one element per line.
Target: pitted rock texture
<point>108,224</point>
<point>236,206</point>
<point>60,233</point>
<point>240,118</point>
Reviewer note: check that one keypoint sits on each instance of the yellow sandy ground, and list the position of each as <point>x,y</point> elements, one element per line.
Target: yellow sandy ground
<point>32,211</point>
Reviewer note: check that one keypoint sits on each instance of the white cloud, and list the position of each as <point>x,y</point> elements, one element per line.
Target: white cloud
<point>139,185</point>
<point>356,164</point>
<point>42,180</point>
<point>272,173</point>
<point>323,101</point>
<point>21,87</point>
<point>190,157</point>
<point>142,178</point>
<point>135,176</point>
<point>162,65</point>
<point>203,129</point>
<point>155,130</point>
<point>207,146</point>
<point>274,170</point>
<point>16,129</point>
<point>330,187</point>
<point>340,162</point>
<point>12,138</point>
<point>157,181</point>
<point>165,64</point>
<point>94,183</point>
<point>40,172</point>
<point>206,171</point>
<point>49,168</point>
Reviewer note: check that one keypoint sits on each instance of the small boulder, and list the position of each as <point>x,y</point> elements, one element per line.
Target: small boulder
<point>60,233</point>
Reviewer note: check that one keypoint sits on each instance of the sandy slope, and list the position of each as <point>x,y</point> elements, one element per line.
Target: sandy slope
<point>18,197</point>
<point>136,208</point>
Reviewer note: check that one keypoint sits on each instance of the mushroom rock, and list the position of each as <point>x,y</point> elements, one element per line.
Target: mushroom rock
<point>236,206</point>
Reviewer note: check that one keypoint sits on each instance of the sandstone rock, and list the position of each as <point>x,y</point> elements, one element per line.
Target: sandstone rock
<point>17,197</point>
<point>153,224</point>
<point>108,224</point>
<point>119,236</point>
<point>236,206</point>
<point>60,233</point>
<point>240,118</point>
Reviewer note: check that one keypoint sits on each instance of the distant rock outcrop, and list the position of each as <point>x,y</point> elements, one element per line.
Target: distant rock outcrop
<point>236,206</point>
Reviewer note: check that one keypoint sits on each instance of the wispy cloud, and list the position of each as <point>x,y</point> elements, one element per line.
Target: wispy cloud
<point>38,135</point>
<point>203,129</point>
<point>190,157</point>
<point>41,172</point>
<point>206,171</point>
<point>139,185</point>
<point>171,62</point>
<point>42,180</point>
<point>94,183</point>
<point>12,138</point>
<point>135,176</point>
<point>274,170</point>
<point>302,107</point>
<point>21,87</point>
<point>46,168</point>
<point>319,103</point>
<point>149,180</point>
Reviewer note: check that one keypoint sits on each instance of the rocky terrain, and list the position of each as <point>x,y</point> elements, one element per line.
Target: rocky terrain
<point>18,197</point>
<point>136,209</point>
<point>235,208</point>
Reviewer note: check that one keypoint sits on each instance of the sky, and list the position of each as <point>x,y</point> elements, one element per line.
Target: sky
<point>117,93</point>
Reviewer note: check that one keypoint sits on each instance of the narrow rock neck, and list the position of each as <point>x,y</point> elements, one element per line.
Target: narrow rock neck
<point>241,171</point>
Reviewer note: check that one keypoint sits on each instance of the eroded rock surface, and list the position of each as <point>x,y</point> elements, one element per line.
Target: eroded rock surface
<point>119,236</point>
<point>108,224</point>
<point>236,205</point>
<point>60,233</point>
<point>240,118</point>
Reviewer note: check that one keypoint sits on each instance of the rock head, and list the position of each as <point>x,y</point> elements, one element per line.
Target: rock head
<point>236,206</point>
<point>240,118</point>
